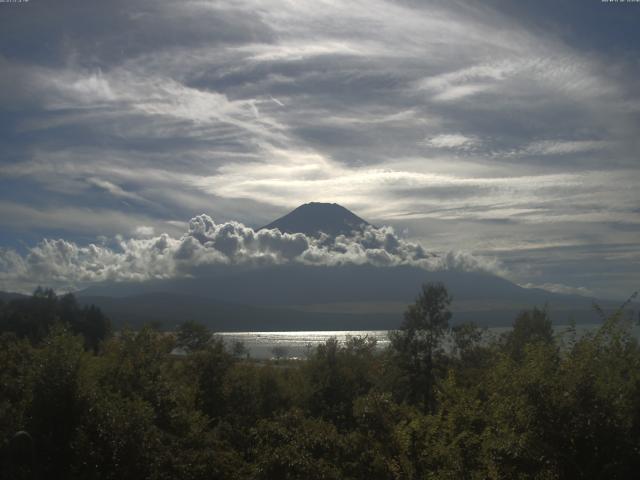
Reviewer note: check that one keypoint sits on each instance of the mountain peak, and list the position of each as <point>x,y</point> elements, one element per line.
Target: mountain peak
<point>315,217</point>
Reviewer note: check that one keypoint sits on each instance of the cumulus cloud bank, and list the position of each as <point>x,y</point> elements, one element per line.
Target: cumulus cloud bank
<point>66,265</point>
<point>495,127</point>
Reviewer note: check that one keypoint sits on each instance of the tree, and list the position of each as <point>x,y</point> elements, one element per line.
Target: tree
<point>529,327</point>
<point>279,352</point>
<point>337,374</point>
<point>466,336</point>
<point>88,321</point>
<point>239,349</point>
<point>31,317</point>
<point>56,405</point>
<point>34,317</point>
<point>294,446</point>
<point>16,386</point>
<point>94,326</point>
<point>419,339</point>
<point>193,336</point>
<point>210,366</point>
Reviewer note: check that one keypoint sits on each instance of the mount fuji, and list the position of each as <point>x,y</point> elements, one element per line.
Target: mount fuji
<point>315,218</point>
<point>335,297</point>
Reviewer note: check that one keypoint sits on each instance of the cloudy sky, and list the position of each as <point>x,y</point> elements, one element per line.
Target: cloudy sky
<point>507,130</point>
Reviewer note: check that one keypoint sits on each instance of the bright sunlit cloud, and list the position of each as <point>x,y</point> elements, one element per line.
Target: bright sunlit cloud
<point>465,124</point>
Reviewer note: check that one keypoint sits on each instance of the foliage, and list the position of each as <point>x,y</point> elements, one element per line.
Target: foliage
<point>523,406</point>
<point>16,384</point>
<point>192,336</point>
<point>337,375</point>
<point>34,317</point>
<point>419,340</point>
<point>529,327</point>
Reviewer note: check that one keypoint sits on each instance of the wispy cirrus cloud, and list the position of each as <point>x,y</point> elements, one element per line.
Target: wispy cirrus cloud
<point>453,141</point>
<point>428,115</point>
<point>560,288</point>
<point>565,147</point>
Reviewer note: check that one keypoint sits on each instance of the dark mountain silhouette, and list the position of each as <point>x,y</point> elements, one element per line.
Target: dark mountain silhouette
<point>313,218</point>
<point>8,296</point>
<point>168,310</point>
<point>303,285</point>
<point>299,297</point>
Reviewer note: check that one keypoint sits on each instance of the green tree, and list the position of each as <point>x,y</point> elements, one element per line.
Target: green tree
<point>294,447</point>
<point>337,375</point>
<point>56,406</point>
<point>530,326</point>
<point>280,352</point>
<point>16,386</point>
<point>34,317</point>
<point>381,441</point>
<point>472,353</point>
<point>192,336</point>
<point>239,349</point>
<point>31,317</point>
<point>419,340</point>
<point>210,366</point>
<point>89,321</point>
<point>466,338</point>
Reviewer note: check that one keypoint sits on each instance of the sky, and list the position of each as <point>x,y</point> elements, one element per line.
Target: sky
<point>503,132</point>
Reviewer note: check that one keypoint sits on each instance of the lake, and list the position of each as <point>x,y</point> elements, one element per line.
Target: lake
<point>261,345</point>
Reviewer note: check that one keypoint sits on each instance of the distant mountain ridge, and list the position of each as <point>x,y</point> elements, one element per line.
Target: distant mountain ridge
<point>299,297</point>
<point>8,296</point>
<point>169,309</point>
<point>302,297</point>
<point>315,218</point>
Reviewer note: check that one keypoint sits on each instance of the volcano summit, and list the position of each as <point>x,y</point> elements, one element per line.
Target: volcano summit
<point>320,267</point>
<point>315,218</point>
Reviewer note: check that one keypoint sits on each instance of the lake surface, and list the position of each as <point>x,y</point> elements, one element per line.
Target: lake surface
<point>296,344</point>
<point>261,345</point>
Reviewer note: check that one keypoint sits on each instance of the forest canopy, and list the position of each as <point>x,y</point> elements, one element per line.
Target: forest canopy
<point>527,404</point>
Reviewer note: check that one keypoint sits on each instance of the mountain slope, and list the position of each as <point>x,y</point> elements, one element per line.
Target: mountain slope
<point>372,292</point>
<point>170,309</point>
<point>313,218</point>
<point>302,297</point>
<point>8,296</point>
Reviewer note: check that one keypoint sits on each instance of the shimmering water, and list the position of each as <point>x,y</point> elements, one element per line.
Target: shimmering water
<point>295,344</point>
<point>262,345</point>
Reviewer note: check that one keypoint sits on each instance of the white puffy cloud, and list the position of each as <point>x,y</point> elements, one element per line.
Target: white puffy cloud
<point>66,265</point>
<point>465,117</point>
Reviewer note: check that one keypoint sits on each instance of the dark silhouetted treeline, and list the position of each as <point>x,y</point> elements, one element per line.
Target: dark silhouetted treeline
<point>525,405</point>
<point>34,317</point>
